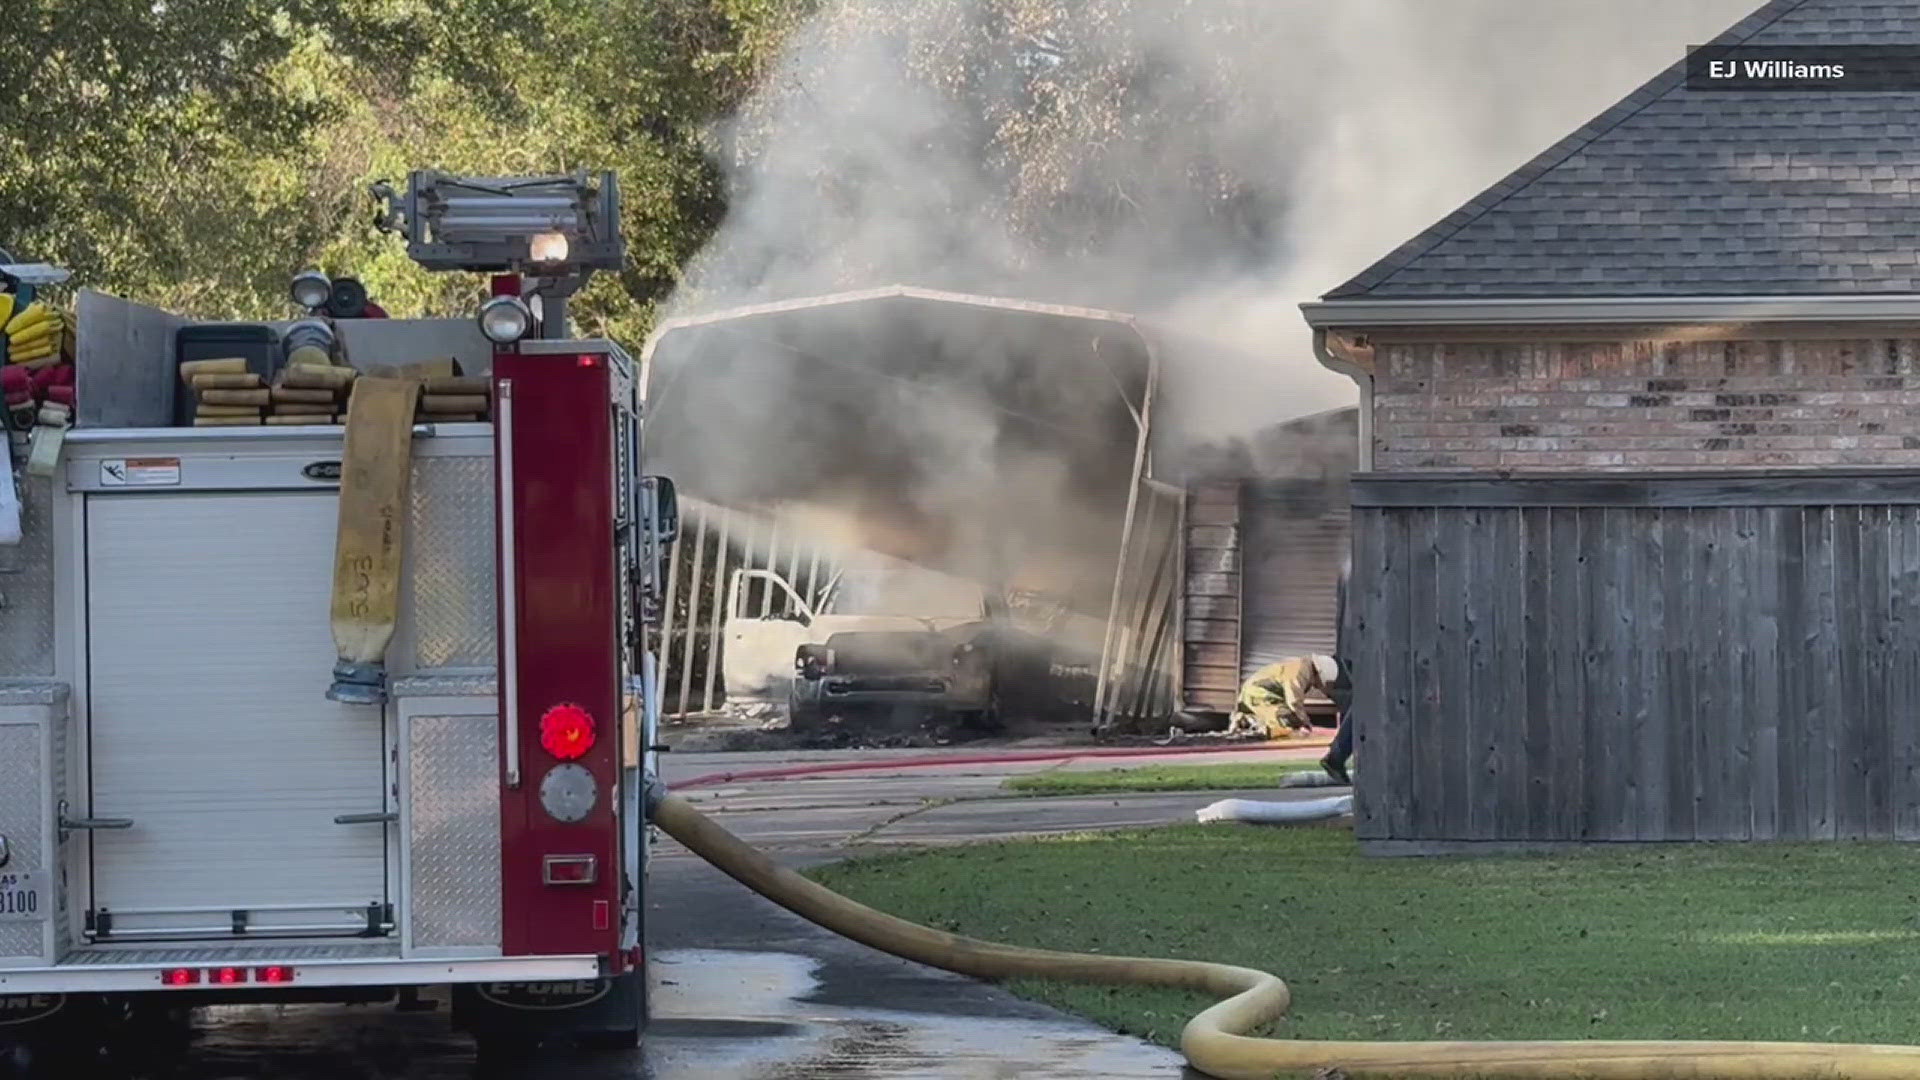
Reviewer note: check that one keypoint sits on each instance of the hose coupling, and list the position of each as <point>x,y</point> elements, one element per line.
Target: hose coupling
<point>359,683</point>
<point>652,791</point>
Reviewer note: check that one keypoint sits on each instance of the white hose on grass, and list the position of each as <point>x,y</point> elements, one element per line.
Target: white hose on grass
<point>1256,812</point>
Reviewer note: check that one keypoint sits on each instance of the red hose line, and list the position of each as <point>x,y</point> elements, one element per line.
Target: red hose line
<point>789,771</point>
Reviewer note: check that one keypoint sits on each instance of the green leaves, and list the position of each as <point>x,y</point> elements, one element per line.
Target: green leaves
<point>197,153</point>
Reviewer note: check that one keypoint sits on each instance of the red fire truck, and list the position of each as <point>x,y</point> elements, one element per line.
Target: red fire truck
<point>202,802</point>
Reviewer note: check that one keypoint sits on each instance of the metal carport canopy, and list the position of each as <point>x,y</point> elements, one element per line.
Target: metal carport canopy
<point>941,423</point>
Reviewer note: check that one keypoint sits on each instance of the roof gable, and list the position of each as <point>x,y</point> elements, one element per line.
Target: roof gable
<point>1676,193</point>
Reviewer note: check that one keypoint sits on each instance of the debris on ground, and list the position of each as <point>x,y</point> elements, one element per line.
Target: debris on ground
<point>1177,734</point>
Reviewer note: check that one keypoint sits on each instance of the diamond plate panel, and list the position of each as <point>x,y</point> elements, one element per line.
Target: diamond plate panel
<point>33,692</point>
<point>445,686</point>
<point>274,952</point>
<point>452,543</point>
<point>21,819</point>
<point>26,579</point>
<point>453,767</point>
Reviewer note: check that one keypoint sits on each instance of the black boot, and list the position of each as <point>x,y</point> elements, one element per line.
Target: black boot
<point>1336,769</point>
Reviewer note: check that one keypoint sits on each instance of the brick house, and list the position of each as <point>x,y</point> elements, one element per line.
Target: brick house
<point>1636,531</point>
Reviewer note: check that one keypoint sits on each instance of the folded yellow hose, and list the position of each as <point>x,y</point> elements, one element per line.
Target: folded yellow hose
<point>377,465</point>
<point>1215,1042</point>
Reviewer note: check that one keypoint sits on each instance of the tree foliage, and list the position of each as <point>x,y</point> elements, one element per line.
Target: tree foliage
<point>129,122</point>
<point>196,153</point>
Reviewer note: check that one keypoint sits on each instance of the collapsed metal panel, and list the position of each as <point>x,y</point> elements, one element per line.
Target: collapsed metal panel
<point>1141,657</point>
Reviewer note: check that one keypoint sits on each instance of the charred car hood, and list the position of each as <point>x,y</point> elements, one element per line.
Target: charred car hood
<point>863,652</point>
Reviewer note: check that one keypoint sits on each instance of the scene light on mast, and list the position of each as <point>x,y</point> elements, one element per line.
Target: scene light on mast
<point>555,231</point>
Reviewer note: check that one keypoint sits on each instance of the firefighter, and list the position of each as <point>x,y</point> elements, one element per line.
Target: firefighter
<point>1335,763</point>
<point>1341,693</point>
<point>1274,699</point>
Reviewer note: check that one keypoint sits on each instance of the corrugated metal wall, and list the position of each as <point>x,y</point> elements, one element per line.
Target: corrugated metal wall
<point>1295,536</point>
<point>1262,574</point>
<point>1210,668</point>
<point>1268,528</point>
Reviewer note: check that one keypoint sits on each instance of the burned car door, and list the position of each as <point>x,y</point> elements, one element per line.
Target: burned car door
<point>757,660</point>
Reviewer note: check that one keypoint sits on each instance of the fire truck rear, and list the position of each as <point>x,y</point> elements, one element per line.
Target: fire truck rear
<point>311,711</point>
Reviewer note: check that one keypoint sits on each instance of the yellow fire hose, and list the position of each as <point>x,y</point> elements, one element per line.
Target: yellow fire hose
<point>1216,1041</point>
<point>376,466</point>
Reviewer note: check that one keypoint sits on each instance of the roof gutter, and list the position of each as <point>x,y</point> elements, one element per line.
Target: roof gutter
<point>1686,310</point>
<point>1354,360</point>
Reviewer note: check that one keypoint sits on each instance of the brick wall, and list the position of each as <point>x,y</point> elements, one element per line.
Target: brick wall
<point>1670,405</point>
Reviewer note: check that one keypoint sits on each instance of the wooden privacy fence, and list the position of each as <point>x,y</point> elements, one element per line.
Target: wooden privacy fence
<point>1637,659</point>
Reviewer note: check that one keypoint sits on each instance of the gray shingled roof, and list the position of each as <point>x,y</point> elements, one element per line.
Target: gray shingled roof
<point>1678,193</point>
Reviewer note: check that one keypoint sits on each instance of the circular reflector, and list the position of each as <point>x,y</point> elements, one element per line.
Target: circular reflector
<point>568,793</point>
<point>567,732</point>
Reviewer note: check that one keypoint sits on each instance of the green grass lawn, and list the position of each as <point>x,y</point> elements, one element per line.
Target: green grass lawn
<point>1157,778</point>
<point>1797,942</point>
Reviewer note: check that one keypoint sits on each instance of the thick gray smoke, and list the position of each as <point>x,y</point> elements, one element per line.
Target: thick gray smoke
<point>1210,163</point>
<point>1218,161</point>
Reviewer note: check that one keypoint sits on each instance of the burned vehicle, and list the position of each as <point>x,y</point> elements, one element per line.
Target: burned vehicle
<point>903,642</point>
<point>922,673</point>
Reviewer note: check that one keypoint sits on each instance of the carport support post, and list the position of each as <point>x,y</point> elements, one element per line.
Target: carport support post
<point>1141,423</point>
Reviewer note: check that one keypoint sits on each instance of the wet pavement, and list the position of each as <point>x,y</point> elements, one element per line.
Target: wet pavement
<point>744,990</point>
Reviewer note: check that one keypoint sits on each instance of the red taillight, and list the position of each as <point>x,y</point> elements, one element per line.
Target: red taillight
<point>567,732</point>
<point>229,976</point>
<point>569,870</point>
<point>180,976</point>
<point>589,361</point>
<point>275,974</point>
